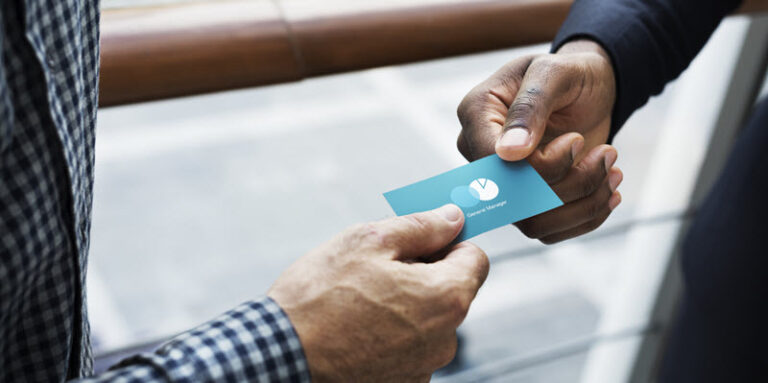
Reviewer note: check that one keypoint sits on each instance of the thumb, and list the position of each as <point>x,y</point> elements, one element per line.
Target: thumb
<point>526,122</point>
<point>417,235</point>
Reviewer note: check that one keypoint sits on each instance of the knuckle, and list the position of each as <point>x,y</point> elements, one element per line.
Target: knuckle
<point>565,72</point>
<point>553,167</point>
<point>482,264</point>
<point>594,209</point>
<point>469,104</point>
<point>521,108</point>
<point>354,233</point>
<point>365,234</point>
<point>588,181</point>
<point>416,223</point>
<point>545,63</point>
<point>447,351</point>
<point>457,306</point>
<point>552,66</point>
<point>461,145</point>
<point>516,68</point>
<point>461,110</point>
<point>561,165</point>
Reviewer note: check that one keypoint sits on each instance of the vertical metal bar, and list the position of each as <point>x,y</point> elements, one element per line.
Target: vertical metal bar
<point>746,81</point>
<point>648,281</point>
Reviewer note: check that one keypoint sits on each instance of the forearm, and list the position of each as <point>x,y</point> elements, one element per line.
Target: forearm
<point>253,342</point>
<point>650,42</point>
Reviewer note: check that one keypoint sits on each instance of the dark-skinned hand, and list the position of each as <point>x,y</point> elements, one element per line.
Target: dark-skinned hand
<point>555,111</point>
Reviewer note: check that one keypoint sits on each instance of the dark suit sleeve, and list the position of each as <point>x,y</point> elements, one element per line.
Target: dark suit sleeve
<point>650,41</point>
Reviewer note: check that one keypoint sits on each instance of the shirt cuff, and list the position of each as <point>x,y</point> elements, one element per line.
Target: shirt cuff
<point>252,342</point>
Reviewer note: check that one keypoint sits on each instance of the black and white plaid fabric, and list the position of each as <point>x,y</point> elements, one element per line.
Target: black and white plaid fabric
<point>48,102</point>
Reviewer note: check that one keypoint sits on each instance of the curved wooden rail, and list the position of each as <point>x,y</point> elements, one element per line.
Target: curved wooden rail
<point>151,53</point>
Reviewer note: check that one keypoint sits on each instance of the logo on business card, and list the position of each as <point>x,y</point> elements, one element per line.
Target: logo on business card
<point>480,189</point>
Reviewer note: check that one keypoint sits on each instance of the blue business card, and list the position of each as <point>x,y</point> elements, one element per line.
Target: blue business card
<point>491,192</point>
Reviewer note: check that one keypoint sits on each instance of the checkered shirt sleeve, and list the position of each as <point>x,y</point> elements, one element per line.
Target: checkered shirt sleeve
<point>49,68</point>
<point>254,342</point>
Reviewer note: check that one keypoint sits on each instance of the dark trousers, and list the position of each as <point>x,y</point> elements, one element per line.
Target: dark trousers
<point>721,331</point>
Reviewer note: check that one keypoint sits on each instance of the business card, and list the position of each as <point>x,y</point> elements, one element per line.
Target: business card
<point>490,191</point>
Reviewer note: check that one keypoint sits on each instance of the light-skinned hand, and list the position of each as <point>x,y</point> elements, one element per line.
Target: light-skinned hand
<point>381,301</point>
<point>555,111</point>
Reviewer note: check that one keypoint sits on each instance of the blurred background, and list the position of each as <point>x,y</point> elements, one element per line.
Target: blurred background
<point>202,201</point>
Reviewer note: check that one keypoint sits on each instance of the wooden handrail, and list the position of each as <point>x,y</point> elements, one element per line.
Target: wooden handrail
<point>151,53</point>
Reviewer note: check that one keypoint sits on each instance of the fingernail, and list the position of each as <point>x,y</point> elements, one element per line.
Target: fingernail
<point>614,180</point>
<point>610,159</point>
<point>515,137</point>
<point>614,201</point>
<point>576,148</point>
<point>450,212</point>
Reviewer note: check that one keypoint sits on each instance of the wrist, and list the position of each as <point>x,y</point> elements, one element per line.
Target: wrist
<point>600,62</point>
<point>599,74</point>
<point>311,333</point>
<point>583,45</point>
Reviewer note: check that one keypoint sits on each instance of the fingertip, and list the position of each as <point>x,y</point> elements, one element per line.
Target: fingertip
<point>450,213</point>
<point>610,157</point>
<point>577,146</point>
<point>514,144</point>
<point>421,234</point>
<point>615,176</point>
<point>614,201</point>
<point>508,153</point>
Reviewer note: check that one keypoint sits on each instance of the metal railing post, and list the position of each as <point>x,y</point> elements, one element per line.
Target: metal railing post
<point>745,84</point>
